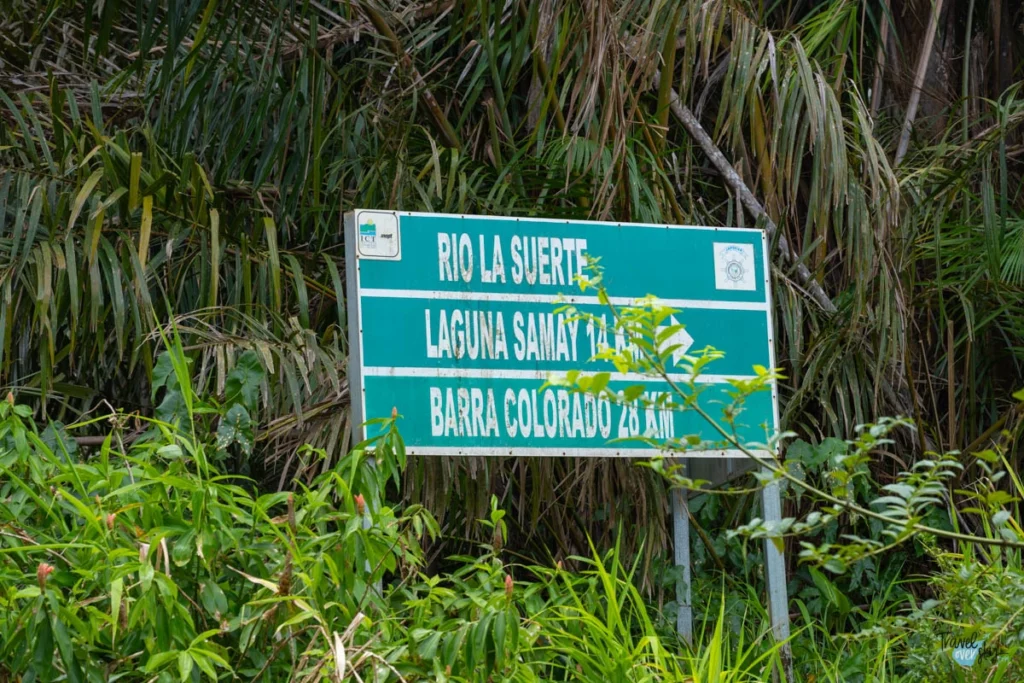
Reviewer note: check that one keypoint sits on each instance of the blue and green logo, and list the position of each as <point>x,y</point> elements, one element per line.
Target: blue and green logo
<point>368,232</point>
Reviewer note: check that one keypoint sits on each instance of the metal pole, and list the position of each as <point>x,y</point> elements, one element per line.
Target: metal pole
<point>681,541</point>
<point>378,585</point>
<point>775,578</point>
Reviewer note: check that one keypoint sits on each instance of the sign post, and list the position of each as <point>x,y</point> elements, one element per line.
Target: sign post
<point>453,320</point>
<point>681,547</point>
<point>775,579</point>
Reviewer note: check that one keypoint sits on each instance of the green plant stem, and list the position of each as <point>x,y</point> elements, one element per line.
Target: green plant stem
<point>545,74</point>
<point>781,472</point>
<point>996,426</point>
<point>707,543</point>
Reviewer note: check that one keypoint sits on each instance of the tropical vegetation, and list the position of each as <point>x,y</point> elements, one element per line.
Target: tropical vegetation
<point>180,492</point>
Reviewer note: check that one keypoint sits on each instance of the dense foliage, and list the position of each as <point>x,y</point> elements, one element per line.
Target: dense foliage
<point>180,163</point>
<point>144,562</point>
<point>191,160</point>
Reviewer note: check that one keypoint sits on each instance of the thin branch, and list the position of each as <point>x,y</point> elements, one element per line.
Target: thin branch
<point>99,439</point>
<point>772,465</point>
<point>880,56</point>
<point>915,94</point>
<point>448,134</point>
<point>992,430</point>
<point>750,202</point>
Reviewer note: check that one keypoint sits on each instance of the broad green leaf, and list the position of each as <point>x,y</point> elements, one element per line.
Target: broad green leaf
<point>42,643</point>
<point>270,230</point>
<point>133,180</point>
<point>83,196</point>
<point>185,663</point>
<point>214,256</point>
<point>244,380</point>
<point>145,230</point>
<point>116,589</point>
<point>184,549</point>
<point>235,427</point>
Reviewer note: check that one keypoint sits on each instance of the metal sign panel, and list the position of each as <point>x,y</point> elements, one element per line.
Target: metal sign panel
<point>453,321</point>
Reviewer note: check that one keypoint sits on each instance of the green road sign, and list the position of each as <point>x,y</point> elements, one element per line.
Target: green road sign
<point>454,321</point>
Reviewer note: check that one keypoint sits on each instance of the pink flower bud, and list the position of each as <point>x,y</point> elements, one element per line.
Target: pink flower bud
<point>43,571</point>
<point>509,585</point>
<point>360,504</point>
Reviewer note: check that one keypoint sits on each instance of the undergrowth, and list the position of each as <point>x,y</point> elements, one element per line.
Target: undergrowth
<point>143,561</point>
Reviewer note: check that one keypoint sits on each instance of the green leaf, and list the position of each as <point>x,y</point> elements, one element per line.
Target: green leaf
<point>339,293</point>
<point>145,230</point>
<point>184,666</point>
<point>214,256</point>
<point>83,196</point>
<point>633,392</point>
<point>42,644</point>
<point>829,591</point>
<point>1001,517</point>
<point>184,549</point>
<point>160,659</point>
<point>146,576</point>
<point>835,565</point>
<point>243,381</point>
<point>235,427</point>
<point>171,451</point>
<point>200,658</point>
<point>213,599</point>
<point>163,374</point>
<point>116,589</point>
<point>172,408</point>
<point>67,652</point>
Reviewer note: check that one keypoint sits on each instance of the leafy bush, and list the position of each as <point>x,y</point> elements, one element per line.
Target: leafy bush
<point>143,562</point>
<point>850,520</point>
<point>149,563</point>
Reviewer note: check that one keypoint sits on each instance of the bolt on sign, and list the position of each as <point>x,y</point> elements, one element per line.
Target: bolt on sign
<point>453,320</point>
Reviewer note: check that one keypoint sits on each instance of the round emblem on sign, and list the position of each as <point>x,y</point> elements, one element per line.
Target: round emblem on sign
<point>734,270</point>
<point>734,266</point>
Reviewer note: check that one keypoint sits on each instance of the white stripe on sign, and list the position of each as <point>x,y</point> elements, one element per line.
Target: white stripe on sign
<point>598,452</point>
<point>568,221</point>
<point>477,373</point>
<point>556,299</point>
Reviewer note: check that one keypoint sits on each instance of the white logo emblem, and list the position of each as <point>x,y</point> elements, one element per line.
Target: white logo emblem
<point>734,267</point>
<point>377,235</point>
